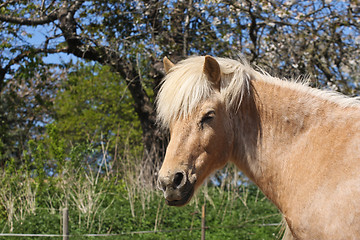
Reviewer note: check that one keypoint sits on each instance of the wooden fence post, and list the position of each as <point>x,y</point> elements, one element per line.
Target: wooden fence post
<point>203,226</point>
<point>65,224</point>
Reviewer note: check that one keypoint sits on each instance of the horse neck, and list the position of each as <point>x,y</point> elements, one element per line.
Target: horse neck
<point>273,124</point>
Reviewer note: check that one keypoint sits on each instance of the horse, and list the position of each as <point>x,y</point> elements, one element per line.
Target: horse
<point>299,145</point>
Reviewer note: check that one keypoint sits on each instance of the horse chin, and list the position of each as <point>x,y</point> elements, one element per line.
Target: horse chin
<point>183,201</point>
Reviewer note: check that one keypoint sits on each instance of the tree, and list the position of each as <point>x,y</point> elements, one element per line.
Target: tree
<point>94,107</point>
<point>63,18</point>
<point>320,38</point>
<point>26,107</point>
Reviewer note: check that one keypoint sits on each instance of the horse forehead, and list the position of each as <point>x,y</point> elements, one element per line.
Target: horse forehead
<point>211,103</point>
<point>186,122</point>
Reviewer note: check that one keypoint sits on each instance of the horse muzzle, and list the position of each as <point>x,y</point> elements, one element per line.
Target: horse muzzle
<point>178,188</point>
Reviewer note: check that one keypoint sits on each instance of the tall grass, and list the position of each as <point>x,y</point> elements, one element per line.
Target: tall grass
<point>102,200</point>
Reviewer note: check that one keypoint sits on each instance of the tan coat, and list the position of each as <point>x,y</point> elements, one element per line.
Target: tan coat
<point>301,146</point>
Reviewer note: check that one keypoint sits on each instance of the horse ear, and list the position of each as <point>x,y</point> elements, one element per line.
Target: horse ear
<point>212,71</point>
<point>167,64</point>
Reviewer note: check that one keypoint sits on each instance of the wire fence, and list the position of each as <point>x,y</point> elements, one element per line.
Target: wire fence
<point>131,233</point>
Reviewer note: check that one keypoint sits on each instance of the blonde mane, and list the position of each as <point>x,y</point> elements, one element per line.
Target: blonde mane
<point>185,86</point>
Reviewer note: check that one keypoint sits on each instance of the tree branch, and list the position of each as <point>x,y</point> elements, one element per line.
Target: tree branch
<point>26,53</point>
<point>22,55</point>
<point>6,3</point>
<point>186,28</point>
<point>30,22</point>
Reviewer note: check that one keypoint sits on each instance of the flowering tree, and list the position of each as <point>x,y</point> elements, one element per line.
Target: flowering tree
<point>288,38</point>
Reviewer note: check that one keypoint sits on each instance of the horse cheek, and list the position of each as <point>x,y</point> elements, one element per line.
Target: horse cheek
<point>215,149</point>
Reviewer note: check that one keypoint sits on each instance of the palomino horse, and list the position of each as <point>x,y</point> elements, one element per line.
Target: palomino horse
<point>299,145</point>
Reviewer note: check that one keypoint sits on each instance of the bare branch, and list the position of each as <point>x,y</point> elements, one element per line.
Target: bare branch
<point>25,54</point>
<point>29,22</point>
<point>50,5</point>
<point>22,55</point>
<point>76,6</point>
<point>186,27</point>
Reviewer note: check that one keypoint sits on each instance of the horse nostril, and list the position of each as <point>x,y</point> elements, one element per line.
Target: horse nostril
<point>178,178</point>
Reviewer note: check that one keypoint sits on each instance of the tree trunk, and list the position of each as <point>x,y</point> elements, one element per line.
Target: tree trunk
<point>154,140</point>
<point>82,46</point>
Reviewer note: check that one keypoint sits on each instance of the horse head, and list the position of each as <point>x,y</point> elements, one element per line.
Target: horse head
<point>201,139</point>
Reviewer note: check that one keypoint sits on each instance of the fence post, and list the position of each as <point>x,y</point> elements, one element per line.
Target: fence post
<point>203,226</point>
<point>65,224</point>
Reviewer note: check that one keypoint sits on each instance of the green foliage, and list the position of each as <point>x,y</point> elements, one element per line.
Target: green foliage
<point>224,219</point>
<point>26,106</point>
<point>94,107</point>
<point>32,202</point>
<point>319,38</point>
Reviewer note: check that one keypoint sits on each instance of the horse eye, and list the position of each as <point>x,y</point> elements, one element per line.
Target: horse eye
<point>207,118</point>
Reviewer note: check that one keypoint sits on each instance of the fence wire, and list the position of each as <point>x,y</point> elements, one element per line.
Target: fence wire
<point>134,232</point>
